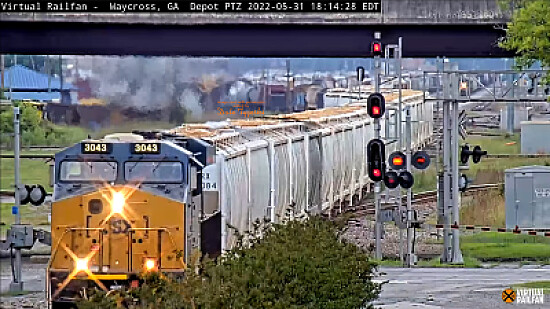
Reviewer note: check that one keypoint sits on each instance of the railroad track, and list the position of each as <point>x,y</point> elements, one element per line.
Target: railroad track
<point>419,198</point>
<point>39,148</point>
<point>28,156</point>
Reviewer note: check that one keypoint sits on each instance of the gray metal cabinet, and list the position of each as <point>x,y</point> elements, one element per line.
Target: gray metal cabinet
<point>527,191</point>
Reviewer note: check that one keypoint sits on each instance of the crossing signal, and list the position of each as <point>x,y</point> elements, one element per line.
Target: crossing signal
<point>376,48</point>
<point>34,194</point>
<point>476,154</point>
<point>376,159</point>
<point>463,182</point>
<point>406,180</point>
<point>391,180</point>
<point>376,105</point>
<point>421,160</point>
<point>465,153</point>
<point>397,160</point>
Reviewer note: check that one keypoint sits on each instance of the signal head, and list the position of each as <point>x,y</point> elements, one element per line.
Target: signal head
<point>391,180</point>
<point>421,160</point>
<point>376,159</point>
<point>376,105</point>
<point>465,154</point>
<point>477,153</point>
<point>406,180</point>
<point>360,73</point>
<point>376,48</point>
<point>397,160</point>
<point>463,182</point>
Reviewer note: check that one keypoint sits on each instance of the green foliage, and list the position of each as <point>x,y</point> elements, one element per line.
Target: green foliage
<point>527,33</point>
<point>36,131</point>
<point>301,264</point>
<point>469,262</point>
<point>545,285</point>
<point>494,246</point>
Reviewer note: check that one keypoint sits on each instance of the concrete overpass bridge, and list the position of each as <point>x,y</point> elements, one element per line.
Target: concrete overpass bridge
<point>467,28</point>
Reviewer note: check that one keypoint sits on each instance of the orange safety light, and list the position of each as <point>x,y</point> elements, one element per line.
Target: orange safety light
<point>397,160</point>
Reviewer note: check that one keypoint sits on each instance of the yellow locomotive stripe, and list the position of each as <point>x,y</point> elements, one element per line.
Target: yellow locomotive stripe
<point>109,277</point>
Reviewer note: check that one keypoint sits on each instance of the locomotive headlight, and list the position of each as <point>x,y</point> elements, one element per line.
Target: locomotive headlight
<point>150,264</point>
<point>117,202</point>
<point>81,264</point>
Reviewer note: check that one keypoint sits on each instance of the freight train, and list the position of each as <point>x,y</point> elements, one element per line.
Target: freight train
<point>130,203</point>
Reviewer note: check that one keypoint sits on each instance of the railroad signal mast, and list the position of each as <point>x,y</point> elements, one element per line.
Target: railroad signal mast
<point>376,103</point>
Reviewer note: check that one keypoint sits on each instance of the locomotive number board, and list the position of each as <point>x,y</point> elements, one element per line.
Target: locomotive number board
<point>145,148</point>
<point>96,148</point>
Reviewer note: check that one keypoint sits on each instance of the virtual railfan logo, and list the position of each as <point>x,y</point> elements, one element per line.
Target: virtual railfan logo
<point>524,296</point>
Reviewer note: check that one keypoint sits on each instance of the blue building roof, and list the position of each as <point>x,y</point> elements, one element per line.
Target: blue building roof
<point>35,96</point>
<point>25,78</point>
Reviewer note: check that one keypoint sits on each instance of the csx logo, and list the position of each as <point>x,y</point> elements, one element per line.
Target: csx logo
<point>542,193</point>
<point>120,226</point>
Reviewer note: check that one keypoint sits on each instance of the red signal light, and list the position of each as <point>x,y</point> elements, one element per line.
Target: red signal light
<point>391,180</point>
<point>376,110</point>
<point>376,48</point>
<point>376,172</point>
<point>421,160</point>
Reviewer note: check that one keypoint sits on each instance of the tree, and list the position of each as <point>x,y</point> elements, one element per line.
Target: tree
<point>529,32</point>
<point>301,264</point>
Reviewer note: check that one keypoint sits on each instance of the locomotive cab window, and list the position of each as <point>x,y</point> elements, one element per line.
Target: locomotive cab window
<point>82,171</point>
<point>153,171</point>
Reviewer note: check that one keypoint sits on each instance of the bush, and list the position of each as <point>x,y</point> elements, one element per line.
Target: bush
<point>36,131</point>
<point>302,264</point>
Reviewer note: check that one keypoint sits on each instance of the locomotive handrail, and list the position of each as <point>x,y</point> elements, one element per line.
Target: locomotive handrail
<point>157,229</point>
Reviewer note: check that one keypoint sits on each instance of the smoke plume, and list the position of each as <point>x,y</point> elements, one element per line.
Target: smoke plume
<point>153,83</point>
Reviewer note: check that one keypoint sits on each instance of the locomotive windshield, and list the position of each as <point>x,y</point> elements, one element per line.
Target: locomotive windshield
<point>88,171</point>
<point>153,172</point>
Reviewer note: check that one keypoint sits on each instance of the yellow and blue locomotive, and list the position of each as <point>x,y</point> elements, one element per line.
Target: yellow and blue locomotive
<point>125,204</point>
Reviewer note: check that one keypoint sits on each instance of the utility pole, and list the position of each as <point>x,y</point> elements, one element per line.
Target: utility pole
<point>451,195</point>
<point>17,284</point>
<point>49,72</point>
<point>457,254</point>
<point>410,257</point>
<point>377,201</point>
<point>398,132</point>
<point>288,98</point>
<point>2,71</point>
<point>447,251</point>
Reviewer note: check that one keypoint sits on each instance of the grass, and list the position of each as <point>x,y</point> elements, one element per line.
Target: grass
<point>484,209</point>
<point>494,246</point>
<point>29,214</point>
<point>545,285</point>
<point>497,144</point>
<point>389,263</point>
<point>33,171</point>
<point>425,180</point>
<point>19,293</point>
<point>489,170</point>
<point>469,262</point>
